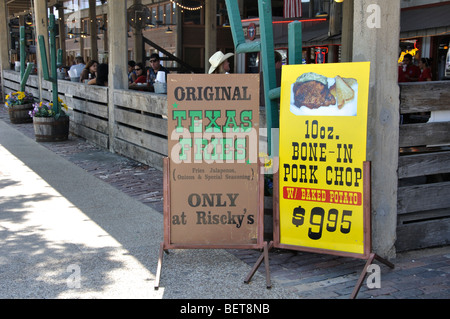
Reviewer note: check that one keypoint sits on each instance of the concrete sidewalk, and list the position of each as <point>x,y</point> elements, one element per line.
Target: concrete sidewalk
<point>66,234</point>
<point>111,227</point>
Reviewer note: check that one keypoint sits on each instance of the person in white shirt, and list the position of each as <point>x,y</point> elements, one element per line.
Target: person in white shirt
<point>79,66</point>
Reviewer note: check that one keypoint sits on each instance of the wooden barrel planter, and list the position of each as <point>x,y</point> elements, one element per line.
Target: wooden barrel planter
<point>49,129</point>
<point>19,114</point>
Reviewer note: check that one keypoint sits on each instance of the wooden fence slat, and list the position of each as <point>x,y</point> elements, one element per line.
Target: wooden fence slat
<point>83,91</point>
<point>422,216</point>
<point>84,106</point>
<point>145,140</point>
<point>423,197</point>
<point>152,124</point>
<point>139,154</point>
<point>423,234</point>
<point>424,134</point>
<point>424,96</point>
<point>91,135</point>
<point>90,122</point>
<point>423,164</point>
<point>139,101</point>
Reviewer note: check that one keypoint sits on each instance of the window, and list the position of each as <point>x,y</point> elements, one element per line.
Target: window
<point>167,14</point>
<point>154,16</point>
<point>174,13</point>
<point>161,14</point>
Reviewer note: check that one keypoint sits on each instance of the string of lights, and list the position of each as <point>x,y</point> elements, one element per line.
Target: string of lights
<point>185,7</point>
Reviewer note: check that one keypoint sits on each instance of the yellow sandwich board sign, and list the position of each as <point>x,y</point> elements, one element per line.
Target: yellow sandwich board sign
<point>323,133</point>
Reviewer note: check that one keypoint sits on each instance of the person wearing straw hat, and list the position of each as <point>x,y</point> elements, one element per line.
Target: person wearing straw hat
<point>219,63</point>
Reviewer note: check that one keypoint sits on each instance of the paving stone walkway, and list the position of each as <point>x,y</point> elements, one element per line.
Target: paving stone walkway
<point>422,274</point>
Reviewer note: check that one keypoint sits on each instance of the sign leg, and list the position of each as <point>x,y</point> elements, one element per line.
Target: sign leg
<point>264,256</point>
<point>362,276</point>
<point>384,261</point>
<point>372,256</point>
<point>266,264</point>
<point>158,270</point>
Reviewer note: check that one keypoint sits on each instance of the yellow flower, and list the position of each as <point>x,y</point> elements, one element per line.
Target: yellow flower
<point>267,162</point>
<point>7,97</point>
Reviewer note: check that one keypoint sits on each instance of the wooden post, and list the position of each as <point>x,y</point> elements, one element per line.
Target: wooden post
<point>210,31</point>
<point>138,40</point>
<point>347,31</point>
<point>4,42</point>
<point>105,34</point>
<point>41,20</point>
<point>375,38</point>
<point>93,27</point>
<point>62,35</point>
<point>118,57</point>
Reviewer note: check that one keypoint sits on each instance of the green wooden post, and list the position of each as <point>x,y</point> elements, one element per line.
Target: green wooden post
<point>24,73</point>
<point>53,60</point>
<point>52,40</point>
<point>24,79</point>
<point>268,64</point>
<point>44,61</point>
<point>23,54</point>
<point>295,42</point>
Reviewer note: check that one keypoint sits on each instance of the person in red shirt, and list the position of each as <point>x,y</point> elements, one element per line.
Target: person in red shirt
<point>141,79</point>
<point>408,72</point>
<point>425,70</point>
<point>141,75</point>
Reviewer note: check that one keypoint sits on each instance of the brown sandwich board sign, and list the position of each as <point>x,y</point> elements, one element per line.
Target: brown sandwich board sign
<point>212,185</point>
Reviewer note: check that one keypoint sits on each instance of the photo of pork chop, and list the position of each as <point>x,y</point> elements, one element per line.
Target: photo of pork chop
<point>311,90</point>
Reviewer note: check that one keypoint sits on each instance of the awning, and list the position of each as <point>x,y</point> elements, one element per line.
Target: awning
<point>421,21</point>
<point>427,20</point>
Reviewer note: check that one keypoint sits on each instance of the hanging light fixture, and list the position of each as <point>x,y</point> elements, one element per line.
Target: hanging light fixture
<point>169,30</point>
<point>321,12</point>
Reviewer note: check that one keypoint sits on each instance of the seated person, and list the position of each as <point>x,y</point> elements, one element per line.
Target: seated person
<point>78,66</point>
<point>141,78</point>
<point>102,76</point>
<point>131,71</point>
<point>155,66</point>
<point>89,72</point>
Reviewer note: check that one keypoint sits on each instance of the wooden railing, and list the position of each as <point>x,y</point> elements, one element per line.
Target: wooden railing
<point>139,130</point>
<point>140,126</point>
<point>424,166</point>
